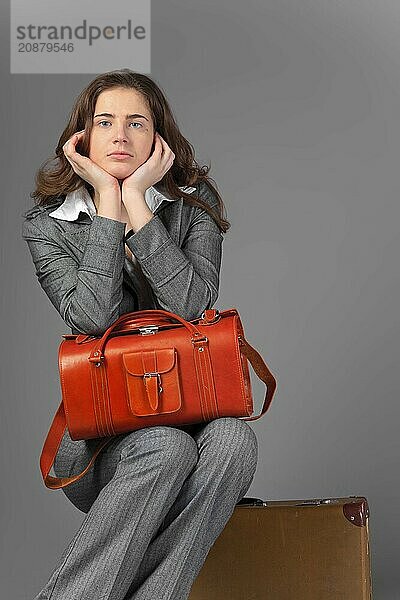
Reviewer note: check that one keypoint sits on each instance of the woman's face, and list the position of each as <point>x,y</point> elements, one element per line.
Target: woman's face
<point>127,127</point>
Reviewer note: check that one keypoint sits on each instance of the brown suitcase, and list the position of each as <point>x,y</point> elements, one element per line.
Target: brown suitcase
<point>314,549</point>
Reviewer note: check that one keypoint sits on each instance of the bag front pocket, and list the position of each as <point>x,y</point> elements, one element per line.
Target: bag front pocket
<point>152,380</point>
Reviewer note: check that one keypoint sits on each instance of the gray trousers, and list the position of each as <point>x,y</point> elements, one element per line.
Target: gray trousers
<point>155,500</point>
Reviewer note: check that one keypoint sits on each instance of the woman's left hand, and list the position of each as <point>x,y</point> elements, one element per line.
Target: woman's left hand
<point>151,171</point>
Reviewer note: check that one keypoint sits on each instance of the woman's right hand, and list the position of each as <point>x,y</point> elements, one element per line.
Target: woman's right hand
<point>86,168</point>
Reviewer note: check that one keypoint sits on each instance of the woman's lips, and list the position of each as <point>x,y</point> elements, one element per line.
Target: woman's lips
<point>120,156</point>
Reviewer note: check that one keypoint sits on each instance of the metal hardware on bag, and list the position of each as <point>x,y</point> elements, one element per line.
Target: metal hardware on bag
<point>202,339</point>
<point>96,361</point>
<point>151,374</point>
<point>203,314</point>
<point>148,329</point>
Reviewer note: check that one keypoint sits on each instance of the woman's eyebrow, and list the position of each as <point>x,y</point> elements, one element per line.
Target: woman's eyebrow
<point>127,116</point>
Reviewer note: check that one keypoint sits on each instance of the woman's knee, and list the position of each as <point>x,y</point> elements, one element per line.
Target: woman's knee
<point>238,439</point>
<point>171,447</point>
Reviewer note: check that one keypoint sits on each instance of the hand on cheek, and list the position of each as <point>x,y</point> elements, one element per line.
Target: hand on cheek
<point>153,169</point>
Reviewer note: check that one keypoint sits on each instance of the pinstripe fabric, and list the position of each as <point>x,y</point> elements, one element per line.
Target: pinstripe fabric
<point>155,500</point>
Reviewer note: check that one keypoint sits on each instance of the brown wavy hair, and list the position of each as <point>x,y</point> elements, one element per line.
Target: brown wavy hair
<point>60,178</point>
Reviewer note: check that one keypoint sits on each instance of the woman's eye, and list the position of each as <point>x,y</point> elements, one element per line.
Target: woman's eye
<point>134,122</point>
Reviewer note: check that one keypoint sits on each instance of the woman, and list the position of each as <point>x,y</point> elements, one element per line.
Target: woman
<point>114,233</point>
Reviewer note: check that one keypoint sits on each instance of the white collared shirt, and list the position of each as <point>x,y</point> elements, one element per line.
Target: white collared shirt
<point>80,200</point>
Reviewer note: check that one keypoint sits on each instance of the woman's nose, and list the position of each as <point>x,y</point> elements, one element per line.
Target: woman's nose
<point>120,132</point>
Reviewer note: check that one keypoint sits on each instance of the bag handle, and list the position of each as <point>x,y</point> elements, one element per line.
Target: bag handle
<point>144,320</point>
<point>134,318</point>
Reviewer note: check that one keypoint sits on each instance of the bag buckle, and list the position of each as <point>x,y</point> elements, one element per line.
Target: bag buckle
<point>153,374</point>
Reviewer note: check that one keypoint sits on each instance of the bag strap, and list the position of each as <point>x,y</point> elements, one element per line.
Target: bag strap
<point>50,449</point>
<point>262,371</point>
<point>59,424</point>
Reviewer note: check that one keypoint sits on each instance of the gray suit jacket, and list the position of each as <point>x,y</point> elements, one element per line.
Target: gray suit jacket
<point>83,268</point>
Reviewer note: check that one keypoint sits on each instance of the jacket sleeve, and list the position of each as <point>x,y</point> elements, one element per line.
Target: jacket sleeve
<point>184,280</point>
<point>88,295</point>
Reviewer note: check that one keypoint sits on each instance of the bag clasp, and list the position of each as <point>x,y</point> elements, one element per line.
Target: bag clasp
<point>153,374</point>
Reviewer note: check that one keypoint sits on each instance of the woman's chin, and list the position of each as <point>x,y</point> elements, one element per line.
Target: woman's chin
<point>120,172</point>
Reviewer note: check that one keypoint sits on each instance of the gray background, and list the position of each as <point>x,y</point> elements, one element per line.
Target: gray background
<point>297,105</point>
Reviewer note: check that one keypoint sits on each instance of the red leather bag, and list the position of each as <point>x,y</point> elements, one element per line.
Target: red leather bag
<point>152,367</point>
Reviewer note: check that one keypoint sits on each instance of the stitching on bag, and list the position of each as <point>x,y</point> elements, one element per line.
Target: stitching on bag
<point>113,432</point>
<point>204,386</point>
<point>102,407</point>
<point>99,403</point>
<point>213,395</point>
<point>94,386</point>
<point>198,384</point>
<point>106,401</point>
<point>239,362</point>
<point>212,386</point>
<point>62,386</point>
